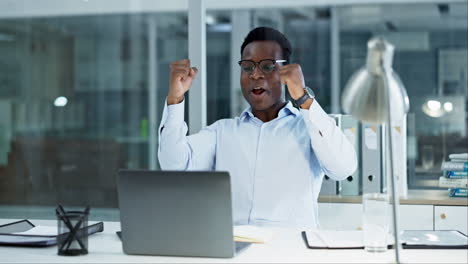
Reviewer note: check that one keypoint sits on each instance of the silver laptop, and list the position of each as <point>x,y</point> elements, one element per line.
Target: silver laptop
<point>176,213</point>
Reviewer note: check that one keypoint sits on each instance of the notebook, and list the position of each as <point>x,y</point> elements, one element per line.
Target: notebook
<point>410,239</point>
<point>25,233</point>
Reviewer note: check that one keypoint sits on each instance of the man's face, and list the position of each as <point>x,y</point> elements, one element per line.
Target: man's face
<point>262,90</point>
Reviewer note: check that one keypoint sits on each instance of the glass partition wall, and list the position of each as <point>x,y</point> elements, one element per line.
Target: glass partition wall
<point>431,58</point>
<point>75,99</point>
<point>76,91</point>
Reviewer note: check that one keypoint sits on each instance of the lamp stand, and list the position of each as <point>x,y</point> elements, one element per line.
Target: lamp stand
<point>394,186</point>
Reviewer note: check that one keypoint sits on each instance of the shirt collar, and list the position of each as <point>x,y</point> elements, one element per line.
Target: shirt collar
<point>286,110</point>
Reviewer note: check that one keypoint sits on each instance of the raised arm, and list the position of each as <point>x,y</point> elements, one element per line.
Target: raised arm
<point>330,145</point>
<point>176,150</point>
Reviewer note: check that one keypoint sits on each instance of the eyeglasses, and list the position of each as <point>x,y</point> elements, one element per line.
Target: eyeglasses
<point>267,66</point>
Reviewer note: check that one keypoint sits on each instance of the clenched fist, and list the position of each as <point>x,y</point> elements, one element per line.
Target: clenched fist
<point>291,75</point>
<point>181,78</point>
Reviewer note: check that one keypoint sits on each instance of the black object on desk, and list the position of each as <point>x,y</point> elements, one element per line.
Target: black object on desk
<point>410,239</point>
<point>9,234</point>
<point>72,238</point>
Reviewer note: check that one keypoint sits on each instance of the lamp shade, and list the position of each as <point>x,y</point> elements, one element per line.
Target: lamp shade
<point>370,90</point>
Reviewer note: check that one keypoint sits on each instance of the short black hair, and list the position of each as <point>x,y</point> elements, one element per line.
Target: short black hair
<point>266,34</point>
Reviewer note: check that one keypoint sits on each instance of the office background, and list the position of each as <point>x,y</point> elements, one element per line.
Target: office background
<point>78,81</point>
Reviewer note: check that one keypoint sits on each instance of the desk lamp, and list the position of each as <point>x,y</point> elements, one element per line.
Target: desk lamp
<point>375,94</point>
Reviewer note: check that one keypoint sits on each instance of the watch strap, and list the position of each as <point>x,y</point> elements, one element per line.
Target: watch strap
<point>301,100</point>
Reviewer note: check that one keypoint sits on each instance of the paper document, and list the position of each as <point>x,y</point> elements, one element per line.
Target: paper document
<point>438,237</point>
<point>252,234</point>
<point>22,240</point>
<point>334,239</point>
<point>40,231</point>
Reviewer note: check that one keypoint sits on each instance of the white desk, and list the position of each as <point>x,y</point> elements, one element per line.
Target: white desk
<point>287,246</point>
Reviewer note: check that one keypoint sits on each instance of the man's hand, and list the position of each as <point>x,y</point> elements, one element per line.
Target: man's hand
<point>291,75</point>
<point>181,78</point>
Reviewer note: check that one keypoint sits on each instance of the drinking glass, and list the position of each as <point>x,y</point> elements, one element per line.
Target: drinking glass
<point>375,221</point>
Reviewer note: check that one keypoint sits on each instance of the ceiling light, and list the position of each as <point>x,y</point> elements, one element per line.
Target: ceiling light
<point>60,101</point>
<point>448,106</point>
<point>433,108</point>
<point>433,105</point>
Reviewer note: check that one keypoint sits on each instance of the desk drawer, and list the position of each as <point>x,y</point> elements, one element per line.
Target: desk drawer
<point>348,216</point>
<point>340,216</point>
<point>416,217</point>
<point>451,217</point>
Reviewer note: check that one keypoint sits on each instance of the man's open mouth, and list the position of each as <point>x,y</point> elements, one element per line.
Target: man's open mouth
<point>258,91</point>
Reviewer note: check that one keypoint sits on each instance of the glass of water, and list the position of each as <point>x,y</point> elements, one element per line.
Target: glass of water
<point>375,221</point>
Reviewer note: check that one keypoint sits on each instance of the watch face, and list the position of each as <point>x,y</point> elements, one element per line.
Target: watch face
<point>310,91</point>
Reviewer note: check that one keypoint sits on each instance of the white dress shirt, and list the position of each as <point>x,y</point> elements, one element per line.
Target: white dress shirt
<point>276,167</point>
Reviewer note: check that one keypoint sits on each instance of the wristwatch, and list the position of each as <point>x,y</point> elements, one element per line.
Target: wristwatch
<point>308,94</point>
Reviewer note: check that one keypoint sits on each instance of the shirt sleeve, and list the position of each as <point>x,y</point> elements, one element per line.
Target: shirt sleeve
<point>330,145</point>
<point>176,150</point>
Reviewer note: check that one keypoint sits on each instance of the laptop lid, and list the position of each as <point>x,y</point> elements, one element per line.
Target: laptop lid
<point>176,213</point>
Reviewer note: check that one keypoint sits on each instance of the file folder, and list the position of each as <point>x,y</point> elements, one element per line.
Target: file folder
<point>372,158</point>
<point>399,135</point>
<point>329,186</point>
<point>384,159</point>
<point>400,154</point>
<point>351,129</point>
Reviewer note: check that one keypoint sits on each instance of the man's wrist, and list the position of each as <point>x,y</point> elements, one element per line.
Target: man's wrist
<point>174,100</point>
<point>307,95</point>
<point>299,92</point>
<point>306,105</point>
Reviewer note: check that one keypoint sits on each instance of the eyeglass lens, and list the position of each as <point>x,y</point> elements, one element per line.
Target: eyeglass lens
<point>266,66</point>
